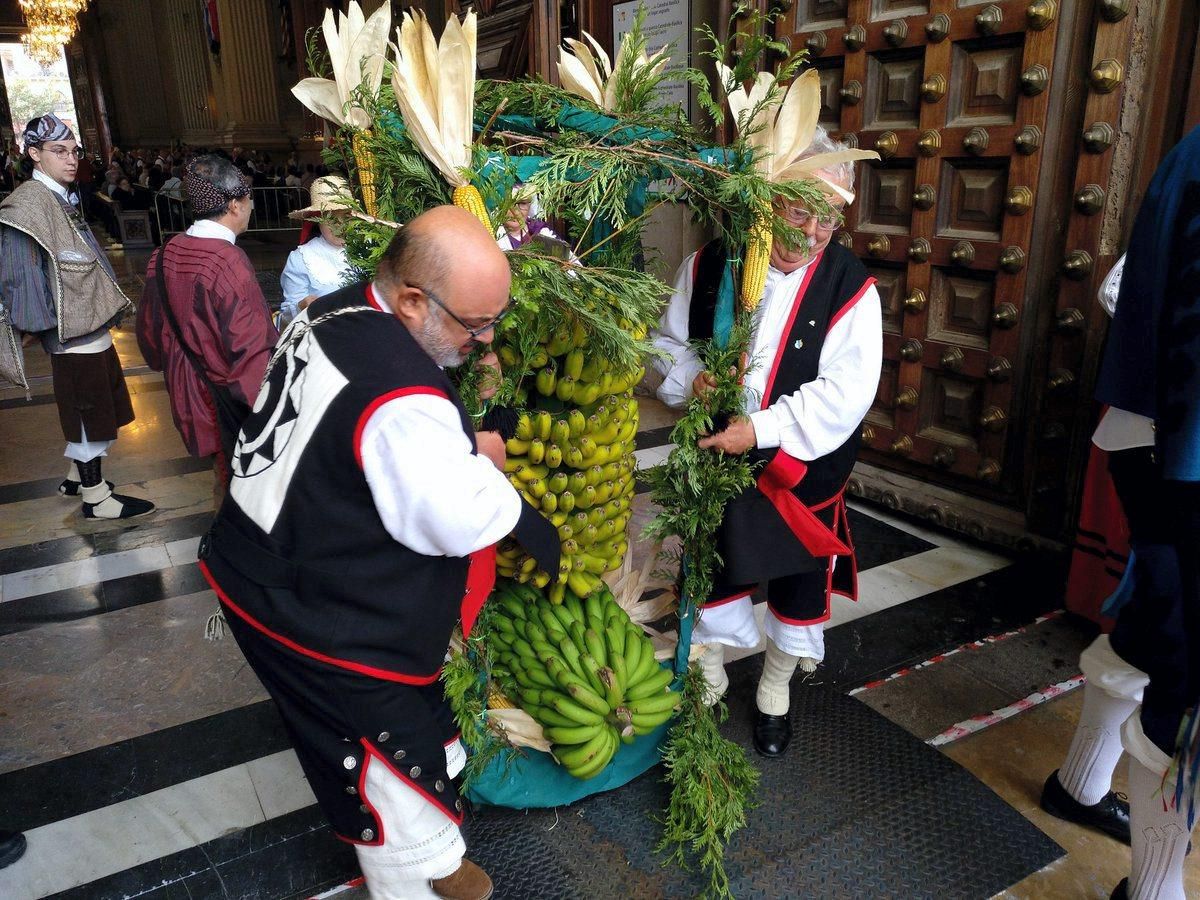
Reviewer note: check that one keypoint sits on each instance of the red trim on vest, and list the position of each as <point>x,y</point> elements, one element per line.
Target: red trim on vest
<point>730,599</point>
<point>481,578</point>
<point>373,299</point>
<point>362,795</point>
<point>776,481</point>
<point>457,736</point>
<point>841,527</point>
<point>361,669</point>
<point>787,329</point>
<point>378,402</point>
<point>452,815</point>
<point>696,267</point>
<point>801,622</point>
<point>850,304</point>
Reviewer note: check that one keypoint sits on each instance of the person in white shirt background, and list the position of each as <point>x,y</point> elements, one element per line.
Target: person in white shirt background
<point>522,224</point>
<point>820,313</point>
<point>319,266</point>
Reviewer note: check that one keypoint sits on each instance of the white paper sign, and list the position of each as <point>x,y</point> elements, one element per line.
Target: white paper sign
<point>667,22</point>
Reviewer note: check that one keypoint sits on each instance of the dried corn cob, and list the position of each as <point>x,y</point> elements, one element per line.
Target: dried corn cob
<point>496,699</point>
<point>754,269</point>
<point>467,197</point>
<point>365,163</point>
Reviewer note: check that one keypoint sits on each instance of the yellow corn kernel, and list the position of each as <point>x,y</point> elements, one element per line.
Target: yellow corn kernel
<point>365,163</point>
<point>467,197</point>
<point>754,268</point>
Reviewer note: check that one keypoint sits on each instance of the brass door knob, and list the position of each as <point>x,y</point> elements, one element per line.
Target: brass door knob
<point>911,350</point>
<point>1070,320</point>
<point>896,32</point>
<point>816,43</point>
<point>867,434</point>
<point>924,197</point>
<point>963,253</point>
<point>1114,10</point>
<point>854,38</point>
<point>952,360</point>
<point>879,245</point>
<point>1034,80</point>
<point>845,240</point>
<point>1005,316</point>
<point>1019,201</point>
<point>933,88</point>
<point>902,446</point>
<point>999,369</point>
<point>850,139</point>
<point>887,144</point>
<point>908,398</point>
<point>988,22</point>
<point>944,457</point>
<point>1040,13</point>
<point>1106,75</point>
<point>937,28</point>
<point>976,141</point>
<point>1012,260</point>
<point>929,143</point>
<point>851,93</point>
<point>1077,265</point>
<point>919,250</point>
<point>1028,140</point>
<point>915,302</point>
<point>1060,379</point>
<point>1098,138</point>
<point>989,470</point>
<point>993,419</point>
<point>1090,199</point>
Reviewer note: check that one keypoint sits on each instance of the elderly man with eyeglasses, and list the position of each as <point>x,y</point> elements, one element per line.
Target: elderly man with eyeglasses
<point>57,285</point>
<point>815,358</point>
<point>360,529</point>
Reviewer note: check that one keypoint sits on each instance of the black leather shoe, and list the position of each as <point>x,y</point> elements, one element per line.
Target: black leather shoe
<point>772,734</point>
<point>1121,891</point>
<point>12,847</point>
<point>1110,815</point>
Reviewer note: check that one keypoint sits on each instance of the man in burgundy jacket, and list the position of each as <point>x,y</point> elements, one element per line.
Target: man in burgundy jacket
<point>218,304</point>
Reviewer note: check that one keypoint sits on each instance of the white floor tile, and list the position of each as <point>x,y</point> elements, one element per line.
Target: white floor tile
<point>183,552</point>
<point>77,573</point>
<point>280,784</point>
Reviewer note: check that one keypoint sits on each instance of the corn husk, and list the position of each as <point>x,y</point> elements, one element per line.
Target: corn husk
<point>586,72</point>
<point>357,54</point>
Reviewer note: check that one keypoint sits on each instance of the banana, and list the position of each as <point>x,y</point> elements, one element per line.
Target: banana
<point>614,634</point>
<point>655,684</point>
<point>645,724</point>
<point>632,653</point>
<point>653,704</point>
<point>565,706</point>
<point>601,761</point>
<point>585,697</point>
<point>595,646</point>
<point>547,716</point>
<point>572,734</point>
<point>542,424</point>
<point>591,671</point>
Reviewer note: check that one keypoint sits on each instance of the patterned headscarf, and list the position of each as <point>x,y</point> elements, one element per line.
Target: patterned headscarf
<point>46,128</point>
<point>205,196</point>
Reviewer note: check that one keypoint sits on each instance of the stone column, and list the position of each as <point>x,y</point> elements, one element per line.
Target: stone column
<point>248,52</point>
<point>189,63</point>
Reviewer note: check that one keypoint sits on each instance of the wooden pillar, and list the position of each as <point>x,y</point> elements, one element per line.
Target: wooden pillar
<point>544,39</point>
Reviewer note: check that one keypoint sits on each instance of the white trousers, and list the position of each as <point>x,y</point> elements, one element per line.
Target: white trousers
<point>84,450</point>
<point>734,625</point>
<point>419,841</point>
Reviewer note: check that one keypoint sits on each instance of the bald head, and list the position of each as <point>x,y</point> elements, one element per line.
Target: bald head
<point>448,255</point>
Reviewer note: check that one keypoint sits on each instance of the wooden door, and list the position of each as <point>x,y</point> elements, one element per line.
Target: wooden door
<point>954,96</point>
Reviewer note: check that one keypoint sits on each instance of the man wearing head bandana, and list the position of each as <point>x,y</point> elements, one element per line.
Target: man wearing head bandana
<point>219,307</point>
<point>56,283</point>
<point>816,353</point>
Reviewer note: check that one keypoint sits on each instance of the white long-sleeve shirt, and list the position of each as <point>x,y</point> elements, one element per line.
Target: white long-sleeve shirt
<point>819,416</point>
<point>1120,429</point>
<point>432,493</point>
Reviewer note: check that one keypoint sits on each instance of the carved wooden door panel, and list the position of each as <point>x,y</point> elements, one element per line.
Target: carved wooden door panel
<point>953,94</point>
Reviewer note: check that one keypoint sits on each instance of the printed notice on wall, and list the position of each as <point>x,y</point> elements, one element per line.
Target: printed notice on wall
<point>668,22</point>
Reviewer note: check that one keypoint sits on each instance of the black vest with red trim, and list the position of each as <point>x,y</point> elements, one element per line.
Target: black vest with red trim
<point>755,542</point>
<point>298,550</point>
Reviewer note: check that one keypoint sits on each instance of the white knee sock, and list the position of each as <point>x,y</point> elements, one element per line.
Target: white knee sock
<point>1088,769</point>
<point>1160,838</point>
<point>774,697</point>
<point>713,664</point>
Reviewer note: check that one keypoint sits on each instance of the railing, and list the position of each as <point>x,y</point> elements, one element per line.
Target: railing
<point>271,208</point>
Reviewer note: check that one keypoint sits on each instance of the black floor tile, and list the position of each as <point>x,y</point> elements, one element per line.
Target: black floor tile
<point>877,543</point>
<point>46,609</point>
<point>147,587</point>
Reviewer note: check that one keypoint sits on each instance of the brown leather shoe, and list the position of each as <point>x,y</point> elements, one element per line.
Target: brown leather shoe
<point>469,882</point>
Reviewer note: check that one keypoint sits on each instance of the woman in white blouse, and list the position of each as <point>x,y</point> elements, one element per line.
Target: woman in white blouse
<point>319,266</point>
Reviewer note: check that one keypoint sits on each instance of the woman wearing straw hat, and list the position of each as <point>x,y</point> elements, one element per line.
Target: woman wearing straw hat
<point>320,266</point>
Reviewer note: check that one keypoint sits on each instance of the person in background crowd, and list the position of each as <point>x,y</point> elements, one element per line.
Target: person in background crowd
<point>173,186</point>
<point>319,266</point>
<point>222,315</point>
<point>124,195</point>
<point>520,228</point>
<point>309,176</point>
<point>71,309</point>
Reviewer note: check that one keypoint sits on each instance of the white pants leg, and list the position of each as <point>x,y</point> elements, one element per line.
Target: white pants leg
<point>83,450</point>
<point>731,623</point>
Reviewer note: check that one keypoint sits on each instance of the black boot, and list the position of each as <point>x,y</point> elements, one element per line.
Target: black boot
<point>12,847</point>
<point>1110,815</point>
<point>99,501</point>
<point>772,734</point>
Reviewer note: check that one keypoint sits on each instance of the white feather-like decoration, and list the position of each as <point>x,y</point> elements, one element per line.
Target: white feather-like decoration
<point>781,131</point>
<point>435,89</point>
<point>357,54</point>
<point>586,71</point>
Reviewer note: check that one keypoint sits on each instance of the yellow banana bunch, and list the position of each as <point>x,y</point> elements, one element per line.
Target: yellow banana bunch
<point>582,670</point>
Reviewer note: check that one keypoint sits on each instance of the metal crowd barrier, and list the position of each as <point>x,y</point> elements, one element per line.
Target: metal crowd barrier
<point>272,206</point>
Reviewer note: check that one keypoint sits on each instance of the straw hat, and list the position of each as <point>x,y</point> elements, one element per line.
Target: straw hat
<point>330,194</point>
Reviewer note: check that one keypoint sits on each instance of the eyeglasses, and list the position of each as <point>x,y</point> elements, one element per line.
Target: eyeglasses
<point>473,332</point>
<point>799,216</point>
<point>64,152</point>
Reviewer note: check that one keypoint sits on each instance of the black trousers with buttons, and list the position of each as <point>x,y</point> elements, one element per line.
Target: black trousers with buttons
<point>335,717</point>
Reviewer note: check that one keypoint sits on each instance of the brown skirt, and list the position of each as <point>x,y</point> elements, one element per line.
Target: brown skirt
<point>90,391</point>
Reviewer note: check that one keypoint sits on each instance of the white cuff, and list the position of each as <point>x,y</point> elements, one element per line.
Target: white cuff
<point>766,428</point>
<point>732,624</point>
<point>1141,748</point>
<point>1108,672</point>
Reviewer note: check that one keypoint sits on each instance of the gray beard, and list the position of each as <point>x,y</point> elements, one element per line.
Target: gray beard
<point>432,339</point>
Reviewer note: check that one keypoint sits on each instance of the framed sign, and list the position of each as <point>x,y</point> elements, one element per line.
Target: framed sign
<point>668,22</point>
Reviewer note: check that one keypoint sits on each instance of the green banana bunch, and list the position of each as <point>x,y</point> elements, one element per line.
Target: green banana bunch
<point>581,669</point>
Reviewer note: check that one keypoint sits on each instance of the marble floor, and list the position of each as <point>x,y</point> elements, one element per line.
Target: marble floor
<point>142,760</point>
